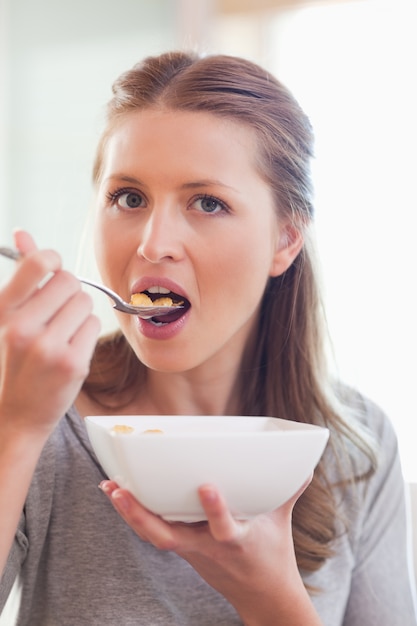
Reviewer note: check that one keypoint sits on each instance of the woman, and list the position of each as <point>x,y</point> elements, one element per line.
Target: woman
<point>203,190</point>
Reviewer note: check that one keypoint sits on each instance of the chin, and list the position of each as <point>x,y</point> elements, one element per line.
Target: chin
<point>164,361</point>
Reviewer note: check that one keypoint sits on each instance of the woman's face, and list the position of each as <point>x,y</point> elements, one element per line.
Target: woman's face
<point>181,208</point>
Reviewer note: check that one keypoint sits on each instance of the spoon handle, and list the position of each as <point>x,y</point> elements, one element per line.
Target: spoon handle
<point>10,253</point>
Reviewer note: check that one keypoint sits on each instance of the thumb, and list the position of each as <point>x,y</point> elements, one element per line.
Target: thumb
<point>24,242</point>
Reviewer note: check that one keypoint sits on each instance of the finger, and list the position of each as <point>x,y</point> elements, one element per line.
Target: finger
<point>84,340</point>
<point>108,486</point>
<point>67,321</point>
<point>34,268</point>
<point>57,300</point>
<point>223,526</point>
<point>76,330</point>
<point>148,526</point>
<point>24,242</point>
<point>54,312</point>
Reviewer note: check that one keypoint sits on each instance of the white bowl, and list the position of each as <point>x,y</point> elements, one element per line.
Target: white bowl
<point>257,463</point>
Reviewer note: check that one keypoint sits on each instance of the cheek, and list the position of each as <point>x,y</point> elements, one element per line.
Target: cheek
<point>240,274</point>
<point>103,248</point>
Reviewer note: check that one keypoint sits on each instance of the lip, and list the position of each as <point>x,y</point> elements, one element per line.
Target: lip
<point>146,327</point>
<point>168,331</point>
<point>145,282</point>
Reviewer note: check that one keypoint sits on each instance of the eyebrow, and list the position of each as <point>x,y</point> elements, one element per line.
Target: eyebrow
<point>209,182</point>
<point>125,179</point>
<point>206,182</point>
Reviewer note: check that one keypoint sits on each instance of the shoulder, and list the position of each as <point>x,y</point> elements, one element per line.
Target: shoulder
<point>362,460</point>
<point>36,514</point>
<point>377,493</point>
<point>365,410</point>
<point>61,458</point>
<point>373,425</point>
<point>368,426</point>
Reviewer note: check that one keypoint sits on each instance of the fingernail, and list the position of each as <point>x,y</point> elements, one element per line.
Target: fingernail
<point>208,493</point>
<point>104,486</point>
<point>120,500</point>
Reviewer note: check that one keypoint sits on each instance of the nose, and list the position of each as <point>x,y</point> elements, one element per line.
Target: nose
<point>160,238</point>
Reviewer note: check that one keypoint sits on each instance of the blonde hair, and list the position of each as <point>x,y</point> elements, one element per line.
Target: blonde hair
<point>283,371</point>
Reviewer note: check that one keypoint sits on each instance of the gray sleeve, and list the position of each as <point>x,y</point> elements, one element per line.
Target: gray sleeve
<point>381,590</point>
<point>16,557</point>
<point>33,523</point>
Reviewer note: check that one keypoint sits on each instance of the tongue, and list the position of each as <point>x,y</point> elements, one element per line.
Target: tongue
<point>169,317</point>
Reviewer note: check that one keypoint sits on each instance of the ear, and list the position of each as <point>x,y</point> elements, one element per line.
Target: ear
<point>290,241</point>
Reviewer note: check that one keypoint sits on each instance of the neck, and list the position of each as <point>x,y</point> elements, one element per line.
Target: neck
<point>189,393</point>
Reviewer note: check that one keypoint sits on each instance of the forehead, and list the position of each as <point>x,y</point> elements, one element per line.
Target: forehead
<point>166,117</point>
<point>150,134</point>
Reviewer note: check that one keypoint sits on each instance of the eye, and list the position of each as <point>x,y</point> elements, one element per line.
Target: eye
<point>126,199</point>
<point>209,204</point>
<point>130,200</point>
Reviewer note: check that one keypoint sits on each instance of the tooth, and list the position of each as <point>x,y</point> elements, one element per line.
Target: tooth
<point>158,289</point>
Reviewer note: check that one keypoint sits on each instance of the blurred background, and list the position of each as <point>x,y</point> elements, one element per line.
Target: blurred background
<point>352,66</point>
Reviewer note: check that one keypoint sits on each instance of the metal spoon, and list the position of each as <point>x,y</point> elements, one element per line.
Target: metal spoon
<point>146,312</point>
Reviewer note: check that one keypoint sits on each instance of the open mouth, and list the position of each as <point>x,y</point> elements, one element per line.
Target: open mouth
<point>160,296</point>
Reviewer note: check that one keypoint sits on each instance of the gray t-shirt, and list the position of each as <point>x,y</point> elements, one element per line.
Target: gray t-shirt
<point>80,564</point>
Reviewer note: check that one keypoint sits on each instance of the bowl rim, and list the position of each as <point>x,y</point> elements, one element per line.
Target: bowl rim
<point>281,427</point>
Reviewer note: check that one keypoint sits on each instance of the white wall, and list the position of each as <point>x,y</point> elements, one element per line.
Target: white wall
<point>57,63</point>
<point>4,68</point>
<point>61,58</point>
<point>352,66</point>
